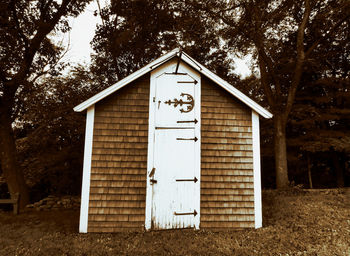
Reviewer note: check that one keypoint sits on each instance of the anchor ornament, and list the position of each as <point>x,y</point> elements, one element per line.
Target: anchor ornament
<point>176,102</point>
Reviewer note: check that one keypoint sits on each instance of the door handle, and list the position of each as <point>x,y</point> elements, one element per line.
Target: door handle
<point>152,172</point>
<point>153,181</point>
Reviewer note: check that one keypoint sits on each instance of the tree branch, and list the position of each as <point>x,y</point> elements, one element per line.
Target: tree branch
<point>229,9</point>
<point>16,20</point>
<point>299,61</point>
<point>43,30</point>
<point>259,44</point>
<point>327,35</point>
<point>265,82</point>
<point>3,76</point>
<point>53,65</point>
<point>211,12</point>
<point>43,10</point>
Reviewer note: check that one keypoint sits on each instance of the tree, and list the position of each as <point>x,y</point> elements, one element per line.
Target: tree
<point>283,36</point>
<point>135,32</point>
<point>50,135</point>
<point>320,118</point>
<point>26,53</point>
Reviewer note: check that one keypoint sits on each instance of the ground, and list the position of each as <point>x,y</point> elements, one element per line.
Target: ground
<point>295,223</point>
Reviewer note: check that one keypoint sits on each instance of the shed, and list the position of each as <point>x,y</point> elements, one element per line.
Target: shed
<point>171,146</point>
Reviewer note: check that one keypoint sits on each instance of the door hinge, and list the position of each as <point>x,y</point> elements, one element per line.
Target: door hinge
<point>189,121</point>
<point>195,139</point>
<point>194,180</point>
<point>188,82</point>
<point>194,213</point>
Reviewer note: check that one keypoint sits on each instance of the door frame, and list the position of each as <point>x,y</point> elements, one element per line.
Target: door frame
<point>170,67</point>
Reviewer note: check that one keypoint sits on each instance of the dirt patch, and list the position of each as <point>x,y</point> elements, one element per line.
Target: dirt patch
<point>295,223</point>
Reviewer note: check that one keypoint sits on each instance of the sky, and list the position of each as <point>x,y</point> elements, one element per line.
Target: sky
<point>82,32</point>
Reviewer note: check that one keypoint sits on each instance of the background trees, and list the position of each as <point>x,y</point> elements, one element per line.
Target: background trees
<point>50,135</point>
<point>26,53</point>
<point>135,32</point>
<point>285,38</point>
<point>300,55</point>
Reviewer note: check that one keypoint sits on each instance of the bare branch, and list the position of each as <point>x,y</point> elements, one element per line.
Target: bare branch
<point>99,10</point>
<point>43,71</point>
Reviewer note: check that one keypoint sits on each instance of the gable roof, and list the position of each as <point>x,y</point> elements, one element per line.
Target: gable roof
<point>191,62</point>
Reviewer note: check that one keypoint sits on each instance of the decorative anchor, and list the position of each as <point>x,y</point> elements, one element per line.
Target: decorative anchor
<point>176,102</point>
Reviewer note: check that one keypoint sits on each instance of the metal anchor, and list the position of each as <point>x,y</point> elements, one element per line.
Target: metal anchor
<point>189,102</point>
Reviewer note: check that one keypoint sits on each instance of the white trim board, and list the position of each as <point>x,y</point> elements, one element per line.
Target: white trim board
<point>256,167</point>
<point>85,190</point>
<point>191,62</point>
<point>99,96</point>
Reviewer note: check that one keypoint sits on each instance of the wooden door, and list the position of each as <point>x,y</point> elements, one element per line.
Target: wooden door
<point>174,193</point>
<point>175,174</point>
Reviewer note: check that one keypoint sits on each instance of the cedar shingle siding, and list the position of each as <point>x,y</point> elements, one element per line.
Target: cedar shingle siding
<point>227,188</point>
<point>119,160</point>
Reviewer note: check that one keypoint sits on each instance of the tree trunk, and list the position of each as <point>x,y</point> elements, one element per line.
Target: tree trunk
<point>8,158</point>
<point>338,170</point>
<point>309,170</point>
<point>280,152</point>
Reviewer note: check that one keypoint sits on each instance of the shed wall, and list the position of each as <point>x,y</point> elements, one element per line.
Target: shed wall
<point>227,187</point>
<point>119,160</point>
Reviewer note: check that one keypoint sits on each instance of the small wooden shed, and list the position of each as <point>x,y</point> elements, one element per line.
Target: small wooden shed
<point>171,146</point>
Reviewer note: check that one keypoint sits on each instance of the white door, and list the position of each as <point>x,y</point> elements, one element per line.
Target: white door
<point>173,195</point>
<point>175,176</point>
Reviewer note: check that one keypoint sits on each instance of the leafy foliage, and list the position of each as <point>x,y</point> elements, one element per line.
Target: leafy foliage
<point>51,135</point>
<point>135,32</point>
<point>286,38</point>
<point>26,53</point>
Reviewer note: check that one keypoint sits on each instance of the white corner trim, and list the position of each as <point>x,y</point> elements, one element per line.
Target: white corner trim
<point>85,190</point>
<point>151,118</point>
<point>256,167</point>
<point>198,153</point>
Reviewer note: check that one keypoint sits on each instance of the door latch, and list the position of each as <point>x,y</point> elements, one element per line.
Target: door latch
<point>152,172</point>
<point>153,181</point>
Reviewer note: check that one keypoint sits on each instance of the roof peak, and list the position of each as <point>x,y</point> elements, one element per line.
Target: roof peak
<point>160,61</point>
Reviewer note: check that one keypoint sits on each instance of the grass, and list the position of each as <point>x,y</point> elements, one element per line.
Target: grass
<point>295,223</point>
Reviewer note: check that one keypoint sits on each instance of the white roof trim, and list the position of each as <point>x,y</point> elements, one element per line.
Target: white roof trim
<point>99,96</point>
<point>228,87</point>
<point>190,61</point>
